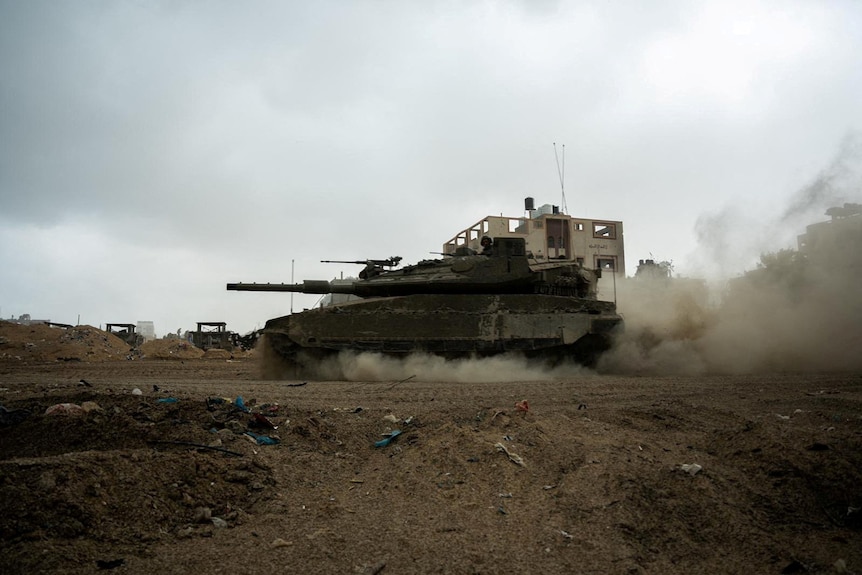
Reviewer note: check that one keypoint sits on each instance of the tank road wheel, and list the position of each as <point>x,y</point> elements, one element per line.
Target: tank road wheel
<point>278,358</point>
<point>281,358</point>
<point>587,350</point>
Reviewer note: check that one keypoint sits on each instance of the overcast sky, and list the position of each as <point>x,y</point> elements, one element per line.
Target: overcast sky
<point>152,151</point>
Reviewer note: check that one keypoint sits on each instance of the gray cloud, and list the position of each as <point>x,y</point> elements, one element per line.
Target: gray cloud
<point>196,143</point>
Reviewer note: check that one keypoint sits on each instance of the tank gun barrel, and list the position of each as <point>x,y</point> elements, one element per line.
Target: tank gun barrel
<point>308,286</point>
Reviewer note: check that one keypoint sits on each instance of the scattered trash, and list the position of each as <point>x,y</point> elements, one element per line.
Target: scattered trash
<point>262,421</point>
<point>390,418</point>
<point>12,416</point>
<point>501,510</point>
<point>214,402</point>
<point>155,387</point>
<point>65,409</point>
<point>167,400</point>
<point>262,439</point>
<point>522,406</point>
<point>391,436</point>
<point>566,534</point>
<point>240,404</point>
<point>784,417</point>
<point>280,543</point>
<point>137,391</point>
<point>505,495</point>
<point>691,468</point>
<point>86,383</point>
<point>269,408</point>
<point>297,384</point>
<point>514,457</point>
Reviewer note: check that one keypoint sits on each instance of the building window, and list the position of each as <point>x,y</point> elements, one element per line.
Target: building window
<point>604,230</point>
<point>606,263</point>
<point>550,242</point>
<point>579,227</point>
<point>518,226</point>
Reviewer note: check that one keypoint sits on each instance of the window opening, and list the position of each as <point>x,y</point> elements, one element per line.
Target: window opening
<point>604,230</point>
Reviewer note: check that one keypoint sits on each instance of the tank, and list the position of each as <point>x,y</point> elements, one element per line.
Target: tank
<point>464,305</point>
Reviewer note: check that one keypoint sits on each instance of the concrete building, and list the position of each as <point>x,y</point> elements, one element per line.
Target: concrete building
<point>836,243</point>
<point>551,235</point>
<point>147,329</point>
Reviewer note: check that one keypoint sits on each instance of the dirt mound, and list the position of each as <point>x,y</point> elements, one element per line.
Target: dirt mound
<point>593,475</point>
<point>170,349</point>
<point>40,343</point>
<point>217,354</point>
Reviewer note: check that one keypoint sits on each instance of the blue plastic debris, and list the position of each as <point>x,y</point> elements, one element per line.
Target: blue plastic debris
<point>240,404</point>
<point>167,400</point>
<point>262,439</point>
<point>384,442</point>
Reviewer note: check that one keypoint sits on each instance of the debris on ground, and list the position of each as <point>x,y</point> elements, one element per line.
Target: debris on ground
<point>514,457</point>
<point>691,468</point>
<point>388,439</point>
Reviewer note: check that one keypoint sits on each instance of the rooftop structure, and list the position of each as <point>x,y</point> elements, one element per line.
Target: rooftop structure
<point>552,236</point>
<point>835,242</point>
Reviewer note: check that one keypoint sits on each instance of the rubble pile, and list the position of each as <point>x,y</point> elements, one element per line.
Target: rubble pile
<point>37,343</point>
<point>170,349</point>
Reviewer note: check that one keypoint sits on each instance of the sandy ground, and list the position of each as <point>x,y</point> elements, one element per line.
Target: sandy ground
<point>589,479</point>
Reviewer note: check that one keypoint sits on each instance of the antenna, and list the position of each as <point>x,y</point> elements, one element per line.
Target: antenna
<point>561,171</point>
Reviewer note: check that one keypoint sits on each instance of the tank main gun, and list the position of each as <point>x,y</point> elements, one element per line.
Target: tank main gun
<point>307,286</point>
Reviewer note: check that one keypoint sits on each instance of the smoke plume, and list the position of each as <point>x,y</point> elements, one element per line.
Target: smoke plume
<point>797,310</point>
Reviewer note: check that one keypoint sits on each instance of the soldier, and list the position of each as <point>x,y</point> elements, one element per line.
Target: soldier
<point>487,245</point>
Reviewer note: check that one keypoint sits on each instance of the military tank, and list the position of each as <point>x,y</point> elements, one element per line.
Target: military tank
<point>462,305</point>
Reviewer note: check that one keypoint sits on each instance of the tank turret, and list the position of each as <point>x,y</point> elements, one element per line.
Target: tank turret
<point>465,304</point>
<point>506,269</point>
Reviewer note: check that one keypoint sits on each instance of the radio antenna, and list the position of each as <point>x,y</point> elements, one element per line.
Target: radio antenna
<point>561,171</point>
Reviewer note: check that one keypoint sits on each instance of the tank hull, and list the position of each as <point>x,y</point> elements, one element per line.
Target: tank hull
<point>450,325</point>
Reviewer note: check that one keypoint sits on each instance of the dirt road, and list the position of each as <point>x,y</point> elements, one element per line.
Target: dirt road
<point>588,480</point>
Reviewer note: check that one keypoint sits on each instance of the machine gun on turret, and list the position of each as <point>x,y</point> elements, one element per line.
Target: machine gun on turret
<point>372,267</point>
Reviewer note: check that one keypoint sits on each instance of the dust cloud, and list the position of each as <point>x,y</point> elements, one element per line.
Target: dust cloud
<point>429,368</point>
<point>799,309</point>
